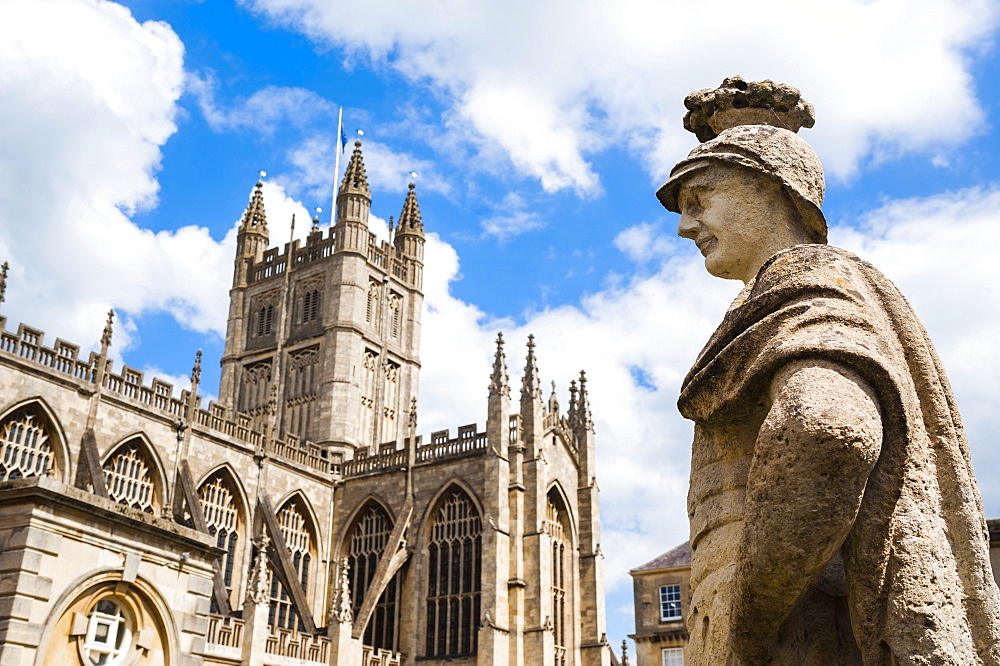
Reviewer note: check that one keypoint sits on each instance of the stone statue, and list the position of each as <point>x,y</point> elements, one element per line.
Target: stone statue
<point>835,518</point>
<point>257,592</point>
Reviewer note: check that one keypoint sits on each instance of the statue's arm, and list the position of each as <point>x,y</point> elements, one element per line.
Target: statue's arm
<point>814,452</point>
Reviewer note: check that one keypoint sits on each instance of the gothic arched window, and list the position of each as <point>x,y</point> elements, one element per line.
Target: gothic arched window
<point>222,518</point>
<point>128,474</point>
<point>298,537</point>
<point>25,449</point>
<point>367,540</point>
<point>454,578</point>
<point>557,526</point>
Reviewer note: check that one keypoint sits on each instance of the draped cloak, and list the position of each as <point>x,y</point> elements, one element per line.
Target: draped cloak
<point>919,588</point>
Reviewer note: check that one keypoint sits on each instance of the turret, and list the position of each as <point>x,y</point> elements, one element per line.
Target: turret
<point>354,202</point>
<point>409,238</point>
<point>251,243</point>
<point>252,238</point>
<point>498,411</point>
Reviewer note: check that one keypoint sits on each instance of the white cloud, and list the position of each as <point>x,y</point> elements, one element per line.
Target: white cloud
<point>644,242</point>
<point>262,111</point>
<point>513,218</point>
<point>313,162</point>
<point>71,178</point>
<point>888,76</point>
<point>637,339</point>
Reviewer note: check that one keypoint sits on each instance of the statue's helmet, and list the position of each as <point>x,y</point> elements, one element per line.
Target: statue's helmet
<point>773,151</point>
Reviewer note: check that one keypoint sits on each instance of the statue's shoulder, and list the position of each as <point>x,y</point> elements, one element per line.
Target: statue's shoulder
<point>812,263</point>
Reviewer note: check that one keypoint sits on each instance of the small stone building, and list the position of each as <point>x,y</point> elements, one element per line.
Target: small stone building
<point>661,594</point>
<point>300,519</point>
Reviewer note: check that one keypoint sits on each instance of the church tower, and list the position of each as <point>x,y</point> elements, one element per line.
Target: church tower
<point>323,338</point>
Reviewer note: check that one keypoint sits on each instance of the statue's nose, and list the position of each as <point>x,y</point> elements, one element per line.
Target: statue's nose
<point>687,226</point>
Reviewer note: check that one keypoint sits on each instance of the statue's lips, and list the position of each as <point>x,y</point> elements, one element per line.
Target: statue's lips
<point>705,243</point>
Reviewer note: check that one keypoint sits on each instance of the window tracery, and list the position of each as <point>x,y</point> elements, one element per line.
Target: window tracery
<point>25,449</point>
<point>454,578</point>
<point>222,518</point>
<point>295,531</point>
<point>129,478</point>
<point>557,527</point>
<point>368,538</point>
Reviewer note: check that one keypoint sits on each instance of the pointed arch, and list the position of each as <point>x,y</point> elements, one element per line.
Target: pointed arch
<point>300,531</point>
<point>133,473</point>
<point>364,542</point>
<point>438,497</point>
<point>32,441</point>
<point>242,497</point>
<point>454,573</point>
<point>310,513</point>
<point>352,519</point>
<point>556,489</point>
<point>224,507</point>
<point>559,527</point>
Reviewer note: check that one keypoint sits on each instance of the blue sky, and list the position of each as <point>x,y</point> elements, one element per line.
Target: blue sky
<point>131,135</point>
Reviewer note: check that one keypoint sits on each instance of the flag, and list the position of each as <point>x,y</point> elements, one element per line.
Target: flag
<point>343,138</point>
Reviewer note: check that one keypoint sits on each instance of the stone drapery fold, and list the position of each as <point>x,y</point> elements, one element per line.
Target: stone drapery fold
<point>916,558</point>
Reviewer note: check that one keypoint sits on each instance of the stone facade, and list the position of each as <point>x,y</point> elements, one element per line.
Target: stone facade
<point>661,592</point>
<point>301,519</point>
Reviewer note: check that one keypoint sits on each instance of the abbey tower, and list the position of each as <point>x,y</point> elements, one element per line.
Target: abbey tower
<point>301,519</point>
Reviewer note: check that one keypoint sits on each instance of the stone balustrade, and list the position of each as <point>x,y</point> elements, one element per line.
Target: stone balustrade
<point>291,644</point>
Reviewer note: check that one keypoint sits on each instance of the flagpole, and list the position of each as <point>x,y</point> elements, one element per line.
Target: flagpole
<point>336,165</point>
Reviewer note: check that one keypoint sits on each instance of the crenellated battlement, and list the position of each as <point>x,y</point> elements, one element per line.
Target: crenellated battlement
<point>27,345</point>
<point>159,395</point>
<point>381,255</point>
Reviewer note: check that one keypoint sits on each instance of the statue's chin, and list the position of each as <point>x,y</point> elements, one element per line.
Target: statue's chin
<point>719,269</point>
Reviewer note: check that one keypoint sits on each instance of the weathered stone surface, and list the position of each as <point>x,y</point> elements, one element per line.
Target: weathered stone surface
<point>739,102</point>
<point>835,517</point>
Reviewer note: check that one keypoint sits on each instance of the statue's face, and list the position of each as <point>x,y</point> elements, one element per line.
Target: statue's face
<point>735,217</point>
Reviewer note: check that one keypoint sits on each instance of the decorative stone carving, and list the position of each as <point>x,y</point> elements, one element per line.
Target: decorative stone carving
<point>835,517</point>
<point>341,611</point>
<point>257,592</point>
